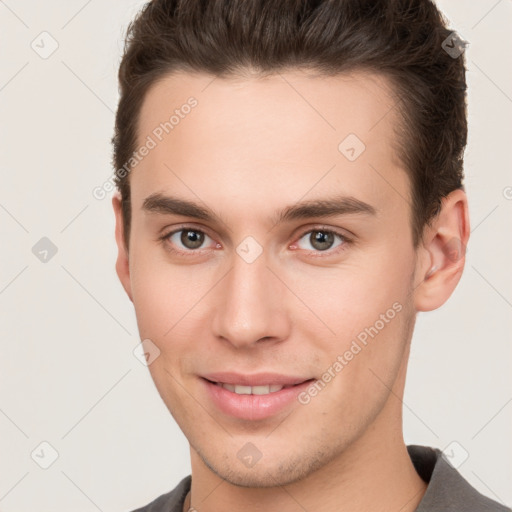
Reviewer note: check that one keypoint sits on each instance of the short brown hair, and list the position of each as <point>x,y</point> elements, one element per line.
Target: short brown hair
<point>403,40</point>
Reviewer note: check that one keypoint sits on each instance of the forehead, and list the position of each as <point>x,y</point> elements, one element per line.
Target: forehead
<point>267,137</point>
<point>329,105</point>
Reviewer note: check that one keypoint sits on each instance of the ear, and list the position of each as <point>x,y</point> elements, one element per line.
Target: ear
<point>122,263</point>
<point>442,253</point>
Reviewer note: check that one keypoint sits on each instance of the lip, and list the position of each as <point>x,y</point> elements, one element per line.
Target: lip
<point>254,407</point>
<point>258,379</point>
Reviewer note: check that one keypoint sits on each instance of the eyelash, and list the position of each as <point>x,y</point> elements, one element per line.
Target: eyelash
<point>164,239</point>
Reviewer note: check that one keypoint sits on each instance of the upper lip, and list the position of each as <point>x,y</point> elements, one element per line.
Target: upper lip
<point>257,379</point>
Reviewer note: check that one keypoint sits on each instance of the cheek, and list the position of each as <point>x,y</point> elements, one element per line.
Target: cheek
<point>161,293</point>
<point>367,309</point>
<point>365,360</point>
<point>349,298</point>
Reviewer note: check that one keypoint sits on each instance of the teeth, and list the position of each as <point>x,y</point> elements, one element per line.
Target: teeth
<point>251,390</point>
<point>243,390</point>
<point>260,390</point>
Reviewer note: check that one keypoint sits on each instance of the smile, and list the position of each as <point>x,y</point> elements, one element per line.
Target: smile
<point>253,397</point>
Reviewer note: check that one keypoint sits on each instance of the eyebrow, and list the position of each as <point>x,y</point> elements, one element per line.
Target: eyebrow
<point>326,207</point>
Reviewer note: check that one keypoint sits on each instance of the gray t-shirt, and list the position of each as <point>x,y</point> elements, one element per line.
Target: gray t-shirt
<point>447,490</point>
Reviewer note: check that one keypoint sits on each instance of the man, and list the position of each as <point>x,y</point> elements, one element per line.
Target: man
<point>290,197</point>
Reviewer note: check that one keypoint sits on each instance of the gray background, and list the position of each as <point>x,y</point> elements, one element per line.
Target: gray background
<point>67,369</point>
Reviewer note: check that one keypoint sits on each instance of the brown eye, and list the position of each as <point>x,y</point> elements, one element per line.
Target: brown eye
<point>191,239</point>
<point>321,240</point>
<point>185,240</point>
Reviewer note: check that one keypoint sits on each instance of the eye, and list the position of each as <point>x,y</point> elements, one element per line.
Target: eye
<point>186,239</point>
<point>189,240</point>
<point>321,240</point>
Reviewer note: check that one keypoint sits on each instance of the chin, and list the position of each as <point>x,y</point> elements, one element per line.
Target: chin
<point>257,478</point>
<point>271,473</point>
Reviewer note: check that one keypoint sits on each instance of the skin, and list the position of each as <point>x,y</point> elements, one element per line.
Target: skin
<point>250,147</point>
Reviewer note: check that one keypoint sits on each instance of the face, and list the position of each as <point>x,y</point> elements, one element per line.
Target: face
<point>271,246</point>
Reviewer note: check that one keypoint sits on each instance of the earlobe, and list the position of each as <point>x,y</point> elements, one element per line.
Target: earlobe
<point>122,262</point>
<point>444,248</point>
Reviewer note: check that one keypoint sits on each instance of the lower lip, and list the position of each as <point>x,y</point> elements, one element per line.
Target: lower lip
<point>253,407</point>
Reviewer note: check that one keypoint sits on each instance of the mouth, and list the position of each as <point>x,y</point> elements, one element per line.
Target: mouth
<point>254,397</point>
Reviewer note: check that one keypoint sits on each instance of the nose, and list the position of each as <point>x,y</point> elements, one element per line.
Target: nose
<point>252,305</point>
